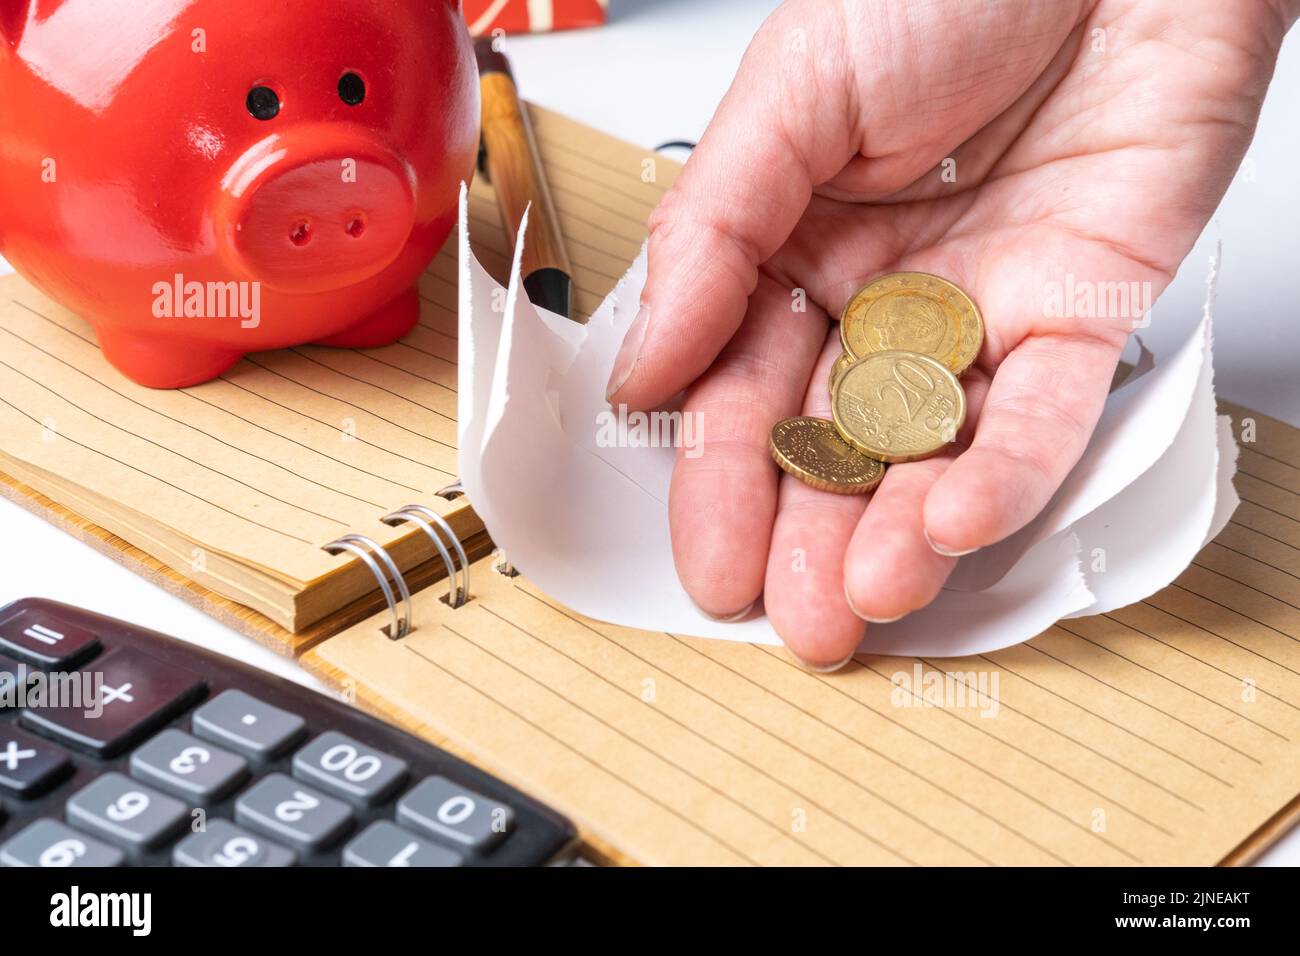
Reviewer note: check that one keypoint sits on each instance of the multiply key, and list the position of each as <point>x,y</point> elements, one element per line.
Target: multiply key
<point>28,766</point>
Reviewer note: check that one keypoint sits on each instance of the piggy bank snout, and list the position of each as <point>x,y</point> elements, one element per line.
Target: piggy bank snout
<point>315,212</point>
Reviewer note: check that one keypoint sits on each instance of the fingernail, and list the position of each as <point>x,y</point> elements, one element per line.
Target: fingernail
<point>881,620</point>
<point>821,668</point>
<point>627,354</point>
<point>870,620</point>
<point>947,552</point>
<point>730,619</point>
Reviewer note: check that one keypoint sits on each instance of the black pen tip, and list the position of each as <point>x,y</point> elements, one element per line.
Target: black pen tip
<point>551,289</point>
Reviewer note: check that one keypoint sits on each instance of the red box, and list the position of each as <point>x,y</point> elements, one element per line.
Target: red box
<point>532,16</point>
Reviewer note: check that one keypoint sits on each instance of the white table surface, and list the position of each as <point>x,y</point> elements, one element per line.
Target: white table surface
<point>656,73</point>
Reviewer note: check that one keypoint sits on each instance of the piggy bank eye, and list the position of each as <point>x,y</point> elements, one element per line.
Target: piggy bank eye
<point>263,103</point>
<point>352,89</point>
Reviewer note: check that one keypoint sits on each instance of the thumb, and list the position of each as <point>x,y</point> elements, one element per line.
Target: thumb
<point>737,201</point>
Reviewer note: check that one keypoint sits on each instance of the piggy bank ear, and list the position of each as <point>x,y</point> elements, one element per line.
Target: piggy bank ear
<point>13,17</point>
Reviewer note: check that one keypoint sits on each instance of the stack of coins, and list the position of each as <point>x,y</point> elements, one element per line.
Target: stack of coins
<point>895,394</point>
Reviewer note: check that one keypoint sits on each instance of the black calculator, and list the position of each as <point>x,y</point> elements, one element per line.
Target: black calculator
<point>120,746</point>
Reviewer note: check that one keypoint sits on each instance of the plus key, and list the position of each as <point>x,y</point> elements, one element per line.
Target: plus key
<point>123,695</point>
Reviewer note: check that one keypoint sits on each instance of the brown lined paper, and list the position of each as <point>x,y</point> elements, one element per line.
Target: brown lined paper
<point>239,482</point>
<point>1163,733</point>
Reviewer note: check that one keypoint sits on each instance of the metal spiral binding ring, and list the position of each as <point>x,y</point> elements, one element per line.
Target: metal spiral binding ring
<point>367,550</point>
<point>426,518</point>
<point>452,492</point>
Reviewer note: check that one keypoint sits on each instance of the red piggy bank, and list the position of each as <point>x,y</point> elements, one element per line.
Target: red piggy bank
<point>200,179</point>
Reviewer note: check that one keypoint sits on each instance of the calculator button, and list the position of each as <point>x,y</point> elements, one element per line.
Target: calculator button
<point>29,766</point>
<point>38,637</point>
<point>137,693</point>
<point>453,814</point>
<point>283,808</point>
<point>51,843</point>
<point>386,844</point>
<point>244,723</point>
<point>342,766</point>
<point>225,845</point>
<point>126,812</point>
<point>188,767</point>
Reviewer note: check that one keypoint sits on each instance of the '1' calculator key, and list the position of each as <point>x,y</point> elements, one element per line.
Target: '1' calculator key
<point>124,696</point>
<point>386,844</point>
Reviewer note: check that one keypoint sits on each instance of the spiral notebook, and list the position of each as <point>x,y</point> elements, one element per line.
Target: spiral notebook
<point>228,493</point>
<point>1167,732</point>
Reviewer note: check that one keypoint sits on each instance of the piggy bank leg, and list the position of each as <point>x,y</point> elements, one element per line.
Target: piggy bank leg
<point>382,327</point>
<point>164,363</point>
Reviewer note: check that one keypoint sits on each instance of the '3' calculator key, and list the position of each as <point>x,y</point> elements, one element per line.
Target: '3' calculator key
<point>188,767</point>
<point>126,694</point>
<point>286,810</point>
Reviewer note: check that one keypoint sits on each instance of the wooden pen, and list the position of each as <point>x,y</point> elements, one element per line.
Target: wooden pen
<point>513,165</point>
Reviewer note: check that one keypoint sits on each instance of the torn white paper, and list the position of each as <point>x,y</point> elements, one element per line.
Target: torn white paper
<point>586,520</point>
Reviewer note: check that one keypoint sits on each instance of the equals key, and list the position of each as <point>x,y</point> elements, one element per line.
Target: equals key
<point>32,632</point>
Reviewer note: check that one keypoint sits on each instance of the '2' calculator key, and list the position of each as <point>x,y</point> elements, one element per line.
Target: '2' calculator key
<point>286,810</point>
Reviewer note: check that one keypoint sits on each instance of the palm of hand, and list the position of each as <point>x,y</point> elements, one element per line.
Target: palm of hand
<point>1109,158</point>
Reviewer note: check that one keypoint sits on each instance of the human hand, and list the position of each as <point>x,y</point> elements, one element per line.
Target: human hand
<point>1092,138</point>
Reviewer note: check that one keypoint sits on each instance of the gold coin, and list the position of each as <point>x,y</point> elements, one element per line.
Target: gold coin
<point>813,451</point>
<point>898,406</point>
<point>915,312</point>
<point>841,365</point>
